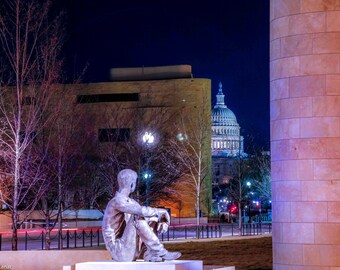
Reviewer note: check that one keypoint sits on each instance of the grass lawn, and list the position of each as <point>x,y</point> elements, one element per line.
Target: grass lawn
<point>245,254</point>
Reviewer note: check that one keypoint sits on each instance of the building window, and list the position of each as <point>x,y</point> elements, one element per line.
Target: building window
<point>126,97</point>
<point>113,134</point>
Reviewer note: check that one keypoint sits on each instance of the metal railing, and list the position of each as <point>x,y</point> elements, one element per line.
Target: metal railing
<point>28,240</point>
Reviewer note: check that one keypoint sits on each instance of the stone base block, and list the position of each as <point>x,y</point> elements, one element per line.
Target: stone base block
<point>141,265</point>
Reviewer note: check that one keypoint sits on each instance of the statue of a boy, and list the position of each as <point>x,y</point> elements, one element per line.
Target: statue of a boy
<point>127,225</point>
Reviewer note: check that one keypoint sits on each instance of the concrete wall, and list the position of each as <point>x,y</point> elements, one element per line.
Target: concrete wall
<point>305,133</point>
<point>48,259</point>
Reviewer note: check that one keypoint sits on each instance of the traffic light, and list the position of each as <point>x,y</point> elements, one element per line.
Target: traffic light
<point>233,209</point>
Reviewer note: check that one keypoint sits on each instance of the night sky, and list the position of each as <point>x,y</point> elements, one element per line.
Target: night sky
<point>223,40</point>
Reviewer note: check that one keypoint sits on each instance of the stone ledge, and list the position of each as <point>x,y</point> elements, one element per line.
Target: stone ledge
<point>139,265</point>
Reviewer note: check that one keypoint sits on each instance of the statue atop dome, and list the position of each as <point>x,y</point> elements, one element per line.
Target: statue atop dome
<point>220,98</point>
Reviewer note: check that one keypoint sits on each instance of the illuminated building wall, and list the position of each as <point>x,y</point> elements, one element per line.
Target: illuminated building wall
<point>157,92</point>
<point>305,133</point>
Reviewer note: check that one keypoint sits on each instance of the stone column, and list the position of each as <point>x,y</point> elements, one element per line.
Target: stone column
<point>305,133</point>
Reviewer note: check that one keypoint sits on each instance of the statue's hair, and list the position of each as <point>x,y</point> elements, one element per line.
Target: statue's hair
<point>125,176</point>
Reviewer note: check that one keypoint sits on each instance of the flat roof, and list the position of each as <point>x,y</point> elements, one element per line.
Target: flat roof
<point>151,73</point>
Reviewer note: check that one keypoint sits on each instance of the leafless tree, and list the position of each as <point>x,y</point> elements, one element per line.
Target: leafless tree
<point>129,151</point>
<point>192,149</point>
<point>30,45</point>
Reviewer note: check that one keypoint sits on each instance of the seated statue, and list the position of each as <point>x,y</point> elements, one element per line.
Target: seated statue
<point>128,226</point>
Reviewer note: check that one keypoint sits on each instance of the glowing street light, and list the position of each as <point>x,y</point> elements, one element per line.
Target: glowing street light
<point>148,138</point>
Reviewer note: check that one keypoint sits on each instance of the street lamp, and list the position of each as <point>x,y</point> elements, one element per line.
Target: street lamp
<point>148,139</point>
<point>249,204</point>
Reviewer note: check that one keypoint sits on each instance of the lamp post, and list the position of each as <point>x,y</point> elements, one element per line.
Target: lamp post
<point>148,140</point>
<point>249,185</point>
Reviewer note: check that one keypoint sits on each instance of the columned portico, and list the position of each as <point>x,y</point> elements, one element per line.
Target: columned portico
<point>305,133</point>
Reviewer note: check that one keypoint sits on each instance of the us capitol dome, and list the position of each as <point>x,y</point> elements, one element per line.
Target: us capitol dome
<point>226,138</point>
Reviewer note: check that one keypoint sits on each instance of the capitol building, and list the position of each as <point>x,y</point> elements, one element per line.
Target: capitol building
<point>226,140</point>
<point>227,148</point>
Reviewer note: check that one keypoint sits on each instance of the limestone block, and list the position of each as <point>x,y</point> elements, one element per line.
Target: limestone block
<point>300,149</point>
<point>285,67</point>
<point>288,254</point>
<point>327,233</point>
<point>333,85</point>
<point>327,169</point>
<point>279,28</point>
<point>333,148</point>
<point>281,212</point>
<point>333,21</point>
<point>275,49</point>
<point>295,107</point>
<point>326,106</point>
<point>296,45</point>
<point>309,148</point>
<point>304,86</point>
<point>320,127</point>
<point>297,169</point>
<point>271,11</point>
<point>320,191</point>
<point>309,212</point>
<point>330,255</point>
<point>326,43</point>
<point>283,150</point>
<point>311,255</point>
<point>314,6</point>
<point>333,211</point>
<point>300,233</point>
<point>141,265</point>
<point>275,110</point>
<point>279,89</point>
<point>287,191</point>
<point>277,231</point>
<point>307,23</point>
<point>318,64</point>
<point>286,7</point>
<point>285,129</point>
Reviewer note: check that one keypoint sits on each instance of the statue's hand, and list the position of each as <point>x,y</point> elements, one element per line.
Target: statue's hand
<point>163,216</point>
<point>162,227</point>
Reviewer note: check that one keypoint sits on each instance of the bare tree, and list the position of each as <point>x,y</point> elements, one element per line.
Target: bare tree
<point>261,174</point>
<point>192,148</point>
<point>124,148</point>
<point>30,44</point>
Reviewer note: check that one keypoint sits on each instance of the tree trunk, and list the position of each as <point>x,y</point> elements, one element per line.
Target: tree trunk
<point>48,233</point>
<point>14,230</point>
<point>198,214</point>
<point>239,218</point>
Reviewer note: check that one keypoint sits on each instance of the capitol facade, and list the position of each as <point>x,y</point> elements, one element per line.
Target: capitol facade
<point>226,140</point>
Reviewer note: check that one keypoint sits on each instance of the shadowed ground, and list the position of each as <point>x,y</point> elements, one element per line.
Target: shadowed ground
<point>245,254</point>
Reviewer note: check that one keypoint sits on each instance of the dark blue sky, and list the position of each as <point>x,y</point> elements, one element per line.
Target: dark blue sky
<point>224,40</point>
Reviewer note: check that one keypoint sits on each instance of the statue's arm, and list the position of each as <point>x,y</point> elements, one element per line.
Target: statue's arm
<point>130,206</point>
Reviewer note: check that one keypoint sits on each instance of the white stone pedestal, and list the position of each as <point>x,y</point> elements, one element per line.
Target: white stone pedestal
<point>141,265</point>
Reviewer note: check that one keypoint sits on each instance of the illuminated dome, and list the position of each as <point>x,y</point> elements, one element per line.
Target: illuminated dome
<point>226,138</point>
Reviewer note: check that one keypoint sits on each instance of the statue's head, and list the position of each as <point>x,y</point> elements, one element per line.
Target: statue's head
<point>127,180</point>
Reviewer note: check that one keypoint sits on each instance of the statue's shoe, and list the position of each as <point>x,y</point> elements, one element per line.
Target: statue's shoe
<point>169,256</point>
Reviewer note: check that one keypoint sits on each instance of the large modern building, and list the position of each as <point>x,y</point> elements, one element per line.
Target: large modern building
<point>144,99</point>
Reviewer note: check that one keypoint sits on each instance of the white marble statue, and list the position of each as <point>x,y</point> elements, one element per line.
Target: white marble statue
<point>127,225</point>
